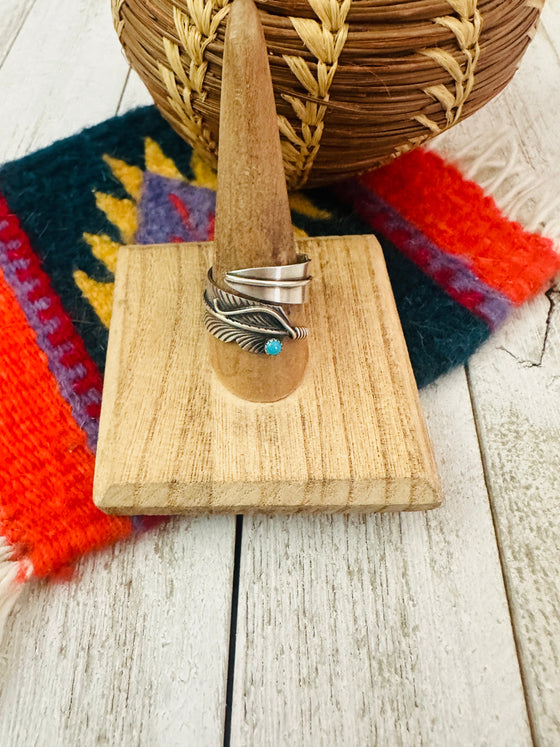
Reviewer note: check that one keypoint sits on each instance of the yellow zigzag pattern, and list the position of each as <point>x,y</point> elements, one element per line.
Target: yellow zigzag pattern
<point>123,214</point>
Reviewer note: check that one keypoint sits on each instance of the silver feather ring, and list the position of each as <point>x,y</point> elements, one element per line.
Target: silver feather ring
<point>254,325</point>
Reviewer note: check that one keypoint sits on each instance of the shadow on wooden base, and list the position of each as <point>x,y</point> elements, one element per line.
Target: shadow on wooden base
<point>173,440</point>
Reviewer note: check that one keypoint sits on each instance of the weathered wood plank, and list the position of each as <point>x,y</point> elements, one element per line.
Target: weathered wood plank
<point>64,71</point>
<point>14,13</point>
<point>382,630</point>
<point>336,686</point>
<point>515,387</point>
<point>130,654</point>
<point>136,651</point>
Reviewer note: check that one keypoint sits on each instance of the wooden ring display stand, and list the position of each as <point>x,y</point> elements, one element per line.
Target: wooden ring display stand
<point>174,438</point>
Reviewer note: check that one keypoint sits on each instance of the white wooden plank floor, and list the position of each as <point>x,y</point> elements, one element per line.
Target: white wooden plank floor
<point>440,629</point>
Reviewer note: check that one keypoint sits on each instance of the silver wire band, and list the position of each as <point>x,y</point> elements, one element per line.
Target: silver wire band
<point>257,327</point>
<point>280,284</point>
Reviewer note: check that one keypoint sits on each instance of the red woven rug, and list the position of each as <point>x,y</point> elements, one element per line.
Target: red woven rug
<point>457,266</point>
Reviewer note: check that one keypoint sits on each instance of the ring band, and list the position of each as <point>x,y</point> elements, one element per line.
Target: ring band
<point>256,326</point>
<point>280,284</point>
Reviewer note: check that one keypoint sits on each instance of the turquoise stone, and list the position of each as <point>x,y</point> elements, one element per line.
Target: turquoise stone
<point>272,346</point>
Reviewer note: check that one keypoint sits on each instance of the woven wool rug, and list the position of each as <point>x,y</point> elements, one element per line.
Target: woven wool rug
<point>457,267</point>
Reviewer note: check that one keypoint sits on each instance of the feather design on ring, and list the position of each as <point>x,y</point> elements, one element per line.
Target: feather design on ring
<point>250,324</point>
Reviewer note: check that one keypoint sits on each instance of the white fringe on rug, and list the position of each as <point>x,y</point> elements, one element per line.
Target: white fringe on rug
<point>498,166</point>
<point>13,575</point>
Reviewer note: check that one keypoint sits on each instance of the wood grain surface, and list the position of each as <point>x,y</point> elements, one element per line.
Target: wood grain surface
<point>407,630</point>
<point>382,630</point>
<point>173,440</point>
<point>514,384</point>
<point>138,657</point>
<point>127,620</point>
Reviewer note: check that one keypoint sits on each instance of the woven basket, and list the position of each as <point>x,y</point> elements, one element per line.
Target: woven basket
<point>356,83</point>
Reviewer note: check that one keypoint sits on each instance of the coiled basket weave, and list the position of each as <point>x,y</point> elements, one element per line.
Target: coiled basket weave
<point>357,82</point>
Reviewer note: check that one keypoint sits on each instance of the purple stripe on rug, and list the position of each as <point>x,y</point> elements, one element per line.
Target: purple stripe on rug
<point>451,273</point>
<point>67,377</point>
<point>171,210</point>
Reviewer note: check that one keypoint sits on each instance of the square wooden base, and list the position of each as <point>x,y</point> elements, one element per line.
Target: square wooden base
<point>173,440</point>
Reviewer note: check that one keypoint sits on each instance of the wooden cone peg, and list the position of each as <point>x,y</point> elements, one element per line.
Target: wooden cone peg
<point>253,221</point>
<point>192,423</point>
